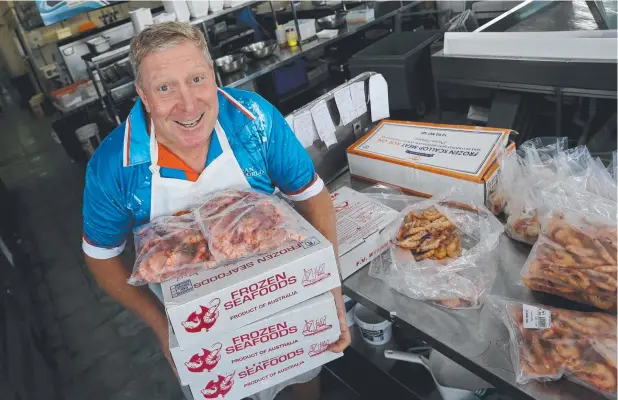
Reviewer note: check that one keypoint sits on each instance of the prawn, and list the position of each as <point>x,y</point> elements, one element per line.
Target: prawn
<point>602,280</point>
<point>597,375</point>
<point>580,251</point>
<point>602,302</point>
<point>562,258</point>
<point>537,359</point>
<point>573,278</point>
<point>605,255</point>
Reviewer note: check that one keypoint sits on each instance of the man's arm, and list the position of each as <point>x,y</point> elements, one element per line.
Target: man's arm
<point>319,211</point>
<point>111,275</point>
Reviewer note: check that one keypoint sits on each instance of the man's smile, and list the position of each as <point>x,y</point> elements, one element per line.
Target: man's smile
<point>191,123</point>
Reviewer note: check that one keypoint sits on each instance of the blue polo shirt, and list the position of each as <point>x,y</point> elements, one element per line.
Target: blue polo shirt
<point>117,195</point>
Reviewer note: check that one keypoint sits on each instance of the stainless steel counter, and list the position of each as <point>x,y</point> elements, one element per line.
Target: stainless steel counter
<point>475,339</point>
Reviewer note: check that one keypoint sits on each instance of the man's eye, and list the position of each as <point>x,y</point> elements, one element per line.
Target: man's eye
<point>163,88</point>
<point>197,79</point>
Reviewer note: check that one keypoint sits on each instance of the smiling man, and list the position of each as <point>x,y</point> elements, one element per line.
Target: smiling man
<point>184,138</point>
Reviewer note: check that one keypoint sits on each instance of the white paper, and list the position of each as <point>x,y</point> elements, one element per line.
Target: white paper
<point>536,318</point>
<point>324,123</point>
<point>357,91</point>
<point>345,105</point>
<point>304,129</point>
<point>378,97</point>
<point>290,120</point>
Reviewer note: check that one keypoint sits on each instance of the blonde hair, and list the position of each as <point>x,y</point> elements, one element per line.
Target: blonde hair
<point>163,36</point>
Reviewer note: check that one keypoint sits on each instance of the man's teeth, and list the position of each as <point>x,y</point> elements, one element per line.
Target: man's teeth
<point>190,123</point>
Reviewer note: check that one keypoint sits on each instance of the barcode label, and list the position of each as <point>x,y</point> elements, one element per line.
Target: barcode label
<point>181,288</point>
<point>536,318</point>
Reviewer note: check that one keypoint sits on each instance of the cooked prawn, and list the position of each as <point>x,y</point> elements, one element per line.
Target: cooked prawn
<point>597,375</point>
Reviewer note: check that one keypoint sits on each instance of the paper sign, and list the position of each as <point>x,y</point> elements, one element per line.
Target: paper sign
<point>290,120</point>
<point>345,105</point>
<point>378,97</point>
<point>357,91</point>
<point>304,129</point>
<point>536,318</point>
<point>324,123</point>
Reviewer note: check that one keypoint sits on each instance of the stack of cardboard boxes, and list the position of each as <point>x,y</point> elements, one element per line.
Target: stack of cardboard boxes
<point>245,327</point>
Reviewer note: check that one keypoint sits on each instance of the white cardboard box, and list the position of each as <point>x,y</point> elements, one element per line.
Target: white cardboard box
<point>212,302</point>
<point>264,372</point>
<point>360,220</point>
<point>426,159</point>
<point>309,322</point>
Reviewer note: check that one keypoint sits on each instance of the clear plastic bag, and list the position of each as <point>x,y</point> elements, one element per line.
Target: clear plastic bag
<point>169,247</point>
<point>552,343</point>
<point>239,224</point>
<point>390,196</point>
<point>441,251</point>
<point>457,289</point>
<point>542,167</point>
<point>227,226</point>
<point>575,256</point>
<point>595,179</point>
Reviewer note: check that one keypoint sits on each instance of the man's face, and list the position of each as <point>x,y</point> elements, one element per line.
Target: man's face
<point>178,89</point>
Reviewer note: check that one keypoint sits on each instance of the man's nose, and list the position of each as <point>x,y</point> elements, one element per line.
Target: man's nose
<point>187,100</point>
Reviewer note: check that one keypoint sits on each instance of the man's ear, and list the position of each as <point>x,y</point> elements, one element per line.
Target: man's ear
<point>140,93</point>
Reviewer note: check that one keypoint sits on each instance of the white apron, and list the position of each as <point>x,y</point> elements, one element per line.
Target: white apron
<point>169,196</point>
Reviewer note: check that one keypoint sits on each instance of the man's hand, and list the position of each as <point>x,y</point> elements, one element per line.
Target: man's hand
<point>164,342</point>
<point>344,338</point>
<point>319,211</point>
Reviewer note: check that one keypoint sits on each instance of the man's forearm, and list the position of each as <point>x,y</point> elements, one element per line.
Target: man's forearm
<point>319,212</point>
<point>112,276</point>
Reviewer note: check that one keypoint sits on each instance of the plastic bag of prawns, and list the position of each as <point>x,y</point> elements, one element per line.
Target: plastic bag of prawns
<point>169,247</point>
<point>442,251</point>
<point>225,227</point>
<point>548,343</point>
<point>575,256</point>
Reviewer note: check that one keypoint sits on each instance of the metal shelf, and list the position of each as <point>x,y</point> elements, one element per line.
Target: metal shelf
<point>220,13</point>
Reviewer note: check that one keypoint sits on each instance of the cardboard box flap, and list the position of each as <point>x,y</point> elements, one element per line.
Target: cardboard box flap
<point>464,152</point>
<point>358,218</point>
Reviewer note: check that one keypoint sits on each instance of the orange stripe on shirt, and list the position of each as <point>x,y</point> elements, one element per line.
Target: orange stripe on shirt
<point>128,142</point>
<point>315,178</point>
<point>237,104</point>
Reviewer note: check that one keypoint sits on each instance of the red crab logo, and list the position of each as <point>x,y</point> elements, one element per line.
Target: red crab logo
<point>342,206</point>
<point>205,318</point>
<point>312,276</point>
<point>313,327</point>
<point>219,387</point>
<point>318,348</point>
<point>206,361</point>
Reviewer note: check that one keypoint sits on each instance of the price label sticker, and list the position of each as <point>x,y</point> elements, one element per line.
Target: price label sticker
<point>536,318</point>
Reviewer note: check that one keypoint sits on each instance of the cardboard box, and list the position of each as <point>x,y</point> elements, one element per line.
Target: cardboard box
<point>426,159</point>
<point>360,220</point>
<point>212,302</point>
<point>309,322</point>
<point>264,372</point>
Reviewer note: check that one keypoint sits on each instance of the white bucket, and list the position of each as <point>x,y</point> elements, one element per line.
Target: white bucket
<point>88,136</point>
<point>374,329</point>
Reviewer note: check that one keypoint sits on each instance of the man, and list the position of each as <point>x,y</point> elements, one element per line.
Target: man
<point>184,138</point>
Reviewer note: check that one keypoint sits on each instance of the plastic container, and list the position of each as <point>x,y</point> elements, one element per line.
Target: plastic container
<point>404,60</point>
<point>375,330</point>
<point>306,27</point>
<point>88,136</point>
<point>198,8</point>
<point>36,104</point>
<point>291,37</point>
